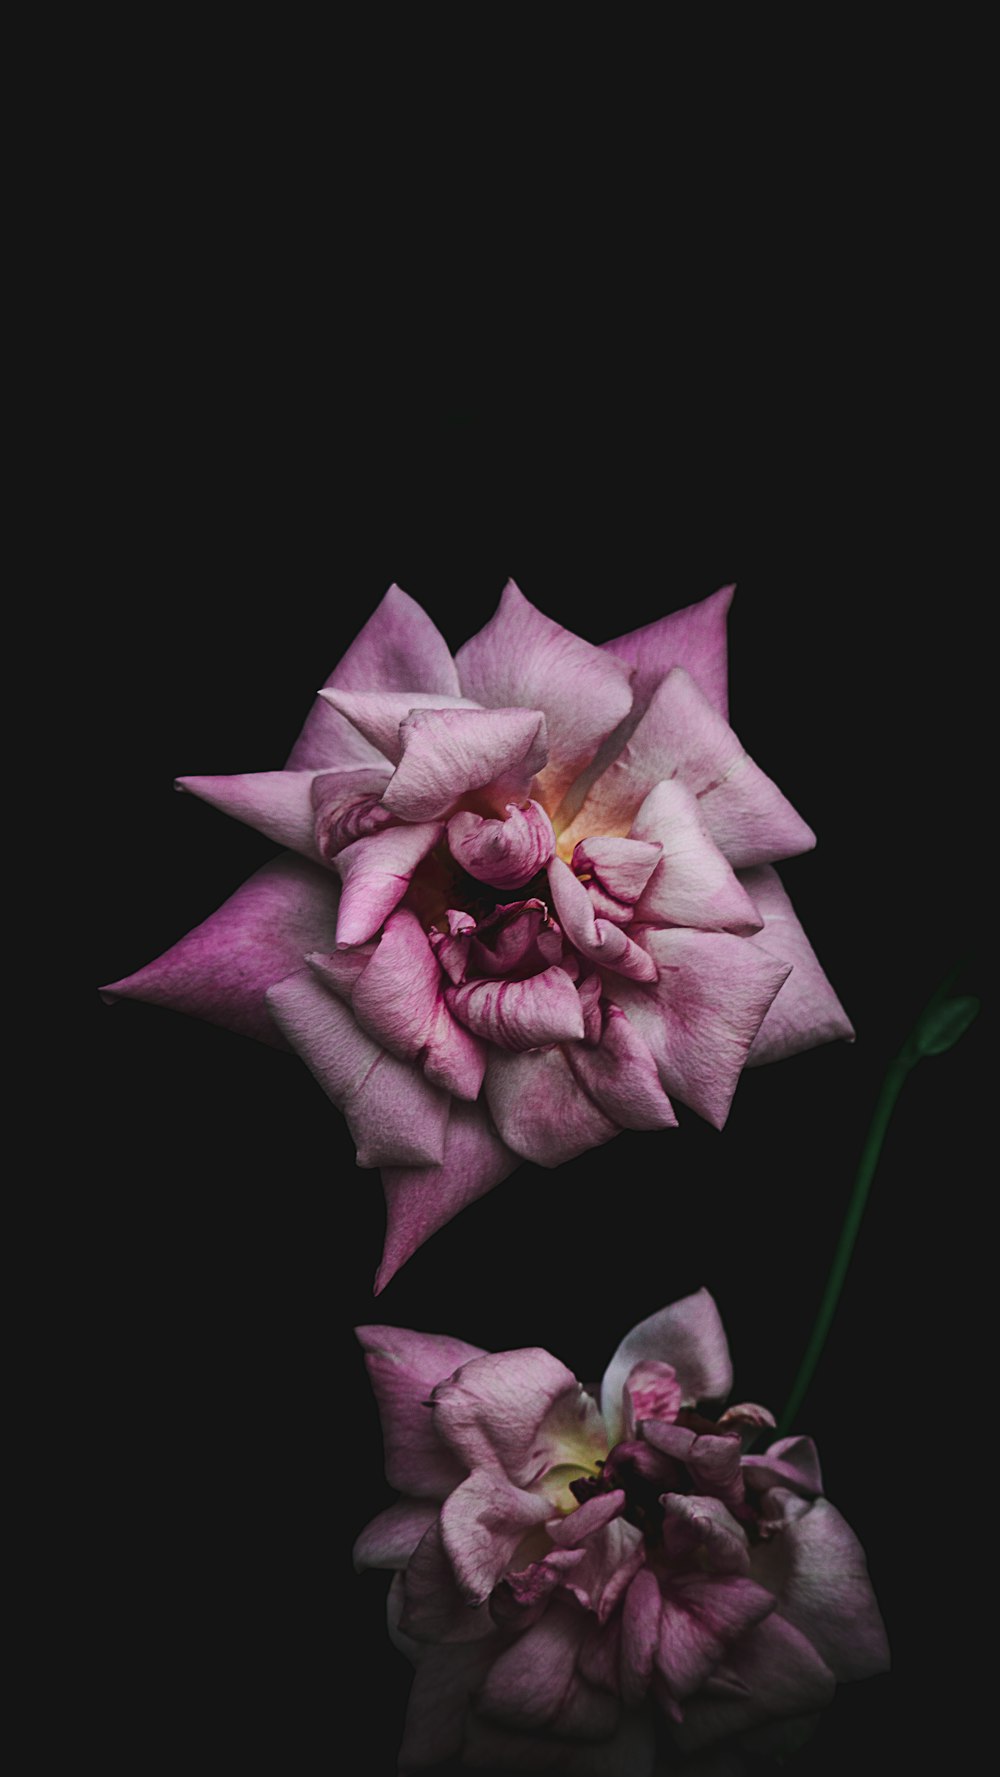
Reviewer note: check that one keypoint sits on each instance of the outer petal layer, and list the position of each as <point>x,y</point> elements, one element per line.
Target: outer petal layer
<point>421,1199</point>
<point>405,1367</point>
<point>277,803</point>
<point>520,1413</point>
<point>693,884</point>
<point>806,1011</point>
<point>694,638</point>
<point>689,1335</point>
<point>540,1110</point>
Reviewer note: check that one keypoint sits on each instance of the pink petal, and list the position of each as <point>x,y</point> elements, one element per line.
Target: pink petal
<point>376,873</point>
<point>701,1016</point>
<point>434,1608</point>
<point>421,1199</point>
<point>404,1368</point>
<point>703,1616</point>
<point>791,1462</point>
<point>222,969</point>
<point>521,658</point>
<point>519,1015</point>
<point>597,939</point>
<point>447,754</point>
<point>611,1557</point>
<point>568,1532</point>
<point>806,1011</point>
<point>439,1704</point>
<point>695,1521</point>
<point>652,1391</point>
<point>483,1523</point>
<point>519,1412</point>
<point>510,940</point>
<point>783,1676</point>
<point>415,1024</point>
<point>693,885</point>
<point>527,1684</point>
<point>399,649</point>
<point>539,1109</point>
<point>620,1075</point>
<point>505,853</point>
<point>816,1568</point>
<point>390,1539</point>
<point>347,805</point>
<point>682,736</point>
<point>689,1335</point>
<point>622,866</point>
<point>694,638</point>
<point>640,1636</point>
<point>378,714</point>
<point>395,1116</point>
<point>277,803</point>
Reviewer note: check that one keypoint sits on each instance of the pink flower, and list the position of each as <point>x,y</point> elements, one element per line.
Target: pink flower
<point>528,900</point>
<point>578,1580</point>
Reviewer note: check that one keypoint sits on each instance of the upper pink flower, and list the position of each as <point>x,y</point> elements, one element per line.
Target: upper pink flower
<point>533,900</point>
<point>578,1578</point>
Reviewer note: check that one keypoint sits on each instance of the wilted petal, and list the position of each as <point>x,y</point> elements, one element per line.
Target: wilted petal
<point>508,941</point>
<point>397,999</point>
<point>347,805</point>
<point>375,874</point>
<point>652,1391</point>
<point>700,1018</point>
<point>390,1539</point>
<point>221,970</point>
<point>698,1521</point>
<point>528,1683</point>
<point>620,1075</point>
<point>595,938</point>
<point>568,1532</point>
<point>693,884</point>
<point>783,1675</point>
<point>505,853</point>
<point>817,1570</point>
<point>519,1015</point>
<point>522,658</point>
<point>404,1368</point>
<point>622,866</point>
<point>378,714</point>
<point>640,1635</point>
<point>682,736</point>
<point>277,803</point>
<point>421,1199</point>
<point>447,754</point>
<point>703,1615</point>
<point>399,649</point>
<point>395,1116</point>
<point>806,1011</point>
<point>482,1524</point>
<point>519,1412</point>
<point>791,1462</point>
<point>611,1556</point>
<point>540,1110</point>
<point>434,1608</point>
<point>689,1335</point>
<point>439,1705</point>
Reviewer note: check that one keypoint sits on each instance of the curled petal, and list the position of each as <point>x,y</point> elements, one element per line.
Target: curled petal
<point>505,853</point>
<point>395,1116</point>
<point>521,658</point>
<point>399,649</point>
<point>347,805</point>
<point>513,940</point>
<point>277,803</point>
<point>450,943</point>
<point>703,1616</point>
<point>378,714</point>
<point>595,938</point>
<point>540,1110</point>
<point>404,1367</point>
<point>620,1075</point>
<point>221,970</point>
<point>521,1413</point>
<point>689,1335</point>
<point>415,1024</point>
<point>651,1391</point>
<point>806,1011</point>
<point>622,866</point>
<point>483,1522</point>
<point>699,1522</point>
<point>434,1608</point>
<point>447,754</point>
<point>390,1539</point>
<point>594,1514</point>
<point>376,874</point>
<point>421,1199</point>
<point>817,1570</point>
<point>519,1015</point>
<point>693,884</point>
<point>791,1462</point>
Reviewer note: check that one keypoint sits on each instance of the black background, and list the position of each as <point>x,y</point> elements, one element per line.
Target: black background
<point>257,522</point>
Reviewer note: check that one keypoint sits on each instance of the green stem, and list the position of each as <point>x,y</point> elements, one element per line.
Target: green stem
<point>891,1087</point>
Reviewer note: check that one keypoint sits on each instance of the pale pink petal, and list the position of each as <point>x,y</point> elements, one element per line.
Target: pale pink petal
<point>521,658</point>
<point>519,1412</point>
<point>622,866</point>
<point>697,1522</point>
<point>620,1075</point>
<point>376,873</point>
<point>390,1539</point>
<point>640,1635</point>
<point>595,938</point>
<point>806,1011</point>
<point>221,970</point>
<point>421,1199</point>
<point>483,1523</point>
<point>378,714</point>
<point>277,803</point>
<point>611,1556</point>
<point>682,736</point>
<point>347,805</point>
<point>694,638</point>
<point>693,885</point>
<point>397,999</point>
<point>782,1675</point>
<point>399,649</point>
<point>433,1606</point>
<point>568,1532</point>
<point>540,1110</point>
<point>817,1570</point>
<point>448,754</point>
<point>505,853</point>
<point>791,1462</point>
<point>689,1335</point>
<point>518,1015</point>
<point>652,1391</point>
<point>396,1117</point>
<point>404,1367</point>
<point>703,1616</point>
<point>701,1016</point>
<point>340,969</point>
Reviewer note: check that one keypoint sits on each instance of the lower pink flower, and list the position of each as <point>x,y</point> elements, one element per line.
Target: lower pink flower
<point>582,1581</point>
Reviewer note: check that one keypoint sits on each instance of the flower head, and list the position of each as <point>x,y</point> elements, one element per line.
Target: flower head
<point>581,1573</point>
<point>528,900</point>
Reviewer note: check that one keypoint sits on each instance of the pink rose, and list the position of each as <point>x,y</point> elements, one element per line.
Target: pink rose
<point>528,900</point>
<point>580,1581</point>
